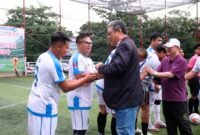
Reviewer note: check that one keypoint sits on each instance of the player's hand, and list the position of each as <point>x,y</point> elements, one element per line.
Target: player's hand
<point>90,77</point>
<point>99,76</point>
<point>149,70</point>
<point>98,65</point>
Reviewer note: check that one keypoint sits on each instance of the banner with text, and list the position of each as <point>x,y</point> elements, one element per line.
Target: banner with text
<point>11,49</point>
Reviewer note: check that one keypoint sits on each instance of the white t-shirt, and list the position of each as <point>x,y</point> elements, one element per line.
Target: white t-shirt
<point>100,83</point>
<point>80,98</point>
<point>196,67</point>
<point>45,90</point>
<point>152,58</point>
<point>153,61</point>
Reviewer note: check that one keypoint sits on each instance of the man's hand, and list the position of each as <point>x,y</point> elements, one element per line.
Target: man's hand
<point>90,77</point>
<point>99,76</point>
<point>149,70</point>
<point>98,65</point>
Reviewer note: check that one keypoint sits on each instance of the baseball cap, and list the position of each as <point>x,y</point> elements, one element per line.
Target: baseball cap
<point>172,42</point>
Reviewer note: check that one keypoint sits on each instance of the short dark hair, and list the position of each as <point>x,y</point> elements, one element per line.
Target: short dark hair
<point>161,48</point>
<point>155,35</point>
<point>81,36</point>
<point>117,25</point>
<point>143,52</point>
<point>196,46</point>
<point>59,37</point>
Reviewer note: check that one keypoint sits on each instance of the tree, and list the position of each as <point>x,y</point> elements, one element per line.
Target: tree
<point>40,23</point>
<point>100,49</point>
<point>179,25</point>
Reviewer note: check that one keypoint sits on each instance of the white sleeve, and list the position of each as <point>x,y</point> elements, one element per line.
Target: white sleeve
<point>56,71</point>
<point>78,64</point>
<point>196,67</point>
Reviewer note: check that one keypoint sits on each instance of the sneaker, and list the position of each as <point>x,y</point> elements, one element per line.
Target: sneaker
<point>160,124</point>
<point>138,132</point>
<point>153,128</point>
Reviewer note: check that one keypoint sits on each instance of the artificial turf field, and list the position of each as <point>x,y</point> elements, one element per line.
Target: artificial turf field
<point>14,93</point>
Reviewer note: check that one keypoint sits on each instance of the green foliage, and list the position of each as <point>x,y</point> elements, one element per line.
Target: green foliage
<point>179,24</point>
<point>100,49</point>
<point>40,23</point>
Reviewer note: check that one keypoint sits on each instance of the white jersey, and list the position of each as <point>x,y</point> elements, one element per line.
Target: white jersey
<point>196,67</point>
<point>80,98</point>
<point>100,83</point>
<point>153,61</point>
<point>148,79</point>
<point>45,90</point>
<point>152,58</point>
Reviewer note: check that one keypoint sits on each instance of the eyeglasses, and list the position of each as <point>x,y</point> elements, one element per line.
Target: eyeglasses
<point>86,42</point>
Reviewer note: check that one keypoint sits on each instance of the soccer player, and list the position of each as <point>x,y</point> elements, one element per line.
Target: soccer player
<point>104,109</point>
<point>80,100</point>
<point>155,40</point>
<point>146,82</point>
<point>45,92</point>
<point>193,83</point>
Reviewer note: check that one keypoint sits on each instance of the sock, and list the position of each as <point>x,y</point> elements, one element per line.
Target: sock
<point>144,128</point>
<point>74,132</point>
<point>157,112</point>
<point>190,105</point>
<point>80,132</point>
<point>113,126</point>
<point>150,113</point>
<point>101,122</point>
<point>196,105</point>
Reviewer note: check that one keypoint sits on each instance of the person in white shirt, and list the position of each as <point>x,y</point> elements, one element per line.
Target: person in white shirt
<point>80,100</point>
<point>155,40</point>
<point>45,92</point>
<point>104,109</point>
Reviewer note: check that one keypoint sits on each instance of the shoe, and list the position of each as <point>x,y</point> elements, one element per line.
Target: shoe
<point>153,128</point>
<point>138,132</point>
<point>160,124</point>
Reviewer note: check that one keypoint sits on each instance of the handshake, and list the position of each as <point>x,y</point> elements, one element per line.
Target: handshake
<point>90,77</point>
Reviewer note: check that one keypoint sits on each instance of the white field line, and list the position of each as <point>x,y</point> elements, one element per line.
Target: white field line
<point>12,105</point>
<point>18,86</point>
<point>15,104</point>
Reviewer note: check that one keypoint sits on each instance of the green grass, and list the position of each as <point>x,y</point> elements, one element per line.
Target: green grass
<point>13,119</point>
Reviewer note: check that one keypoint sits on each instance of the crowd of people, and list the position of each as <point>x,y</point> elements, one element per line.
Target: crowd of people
<point>129,81</point>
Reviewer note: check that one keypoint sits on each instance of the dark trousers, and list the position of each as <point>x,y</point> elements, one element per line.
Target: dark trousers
<point>176,117</point>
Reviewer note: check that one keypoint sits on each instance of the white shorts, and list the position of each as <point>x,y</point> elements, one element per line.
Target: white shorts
<point>102,102</point>
<point>80,119</point>
<point>152,97</point>
<point>41,125</point>
<point>158,96</point>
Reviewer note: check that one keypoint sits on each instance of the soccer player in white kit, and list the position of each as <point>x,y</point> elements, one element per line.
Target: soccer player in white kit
<point>80,100</point>
<point>155,40</point>
<point>104,109</point>
<point>45,92</point>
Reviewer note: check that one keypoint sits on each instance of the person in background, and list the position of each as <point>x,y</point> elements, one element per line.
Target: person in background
<point>193,83</point>
<point>171,72</point>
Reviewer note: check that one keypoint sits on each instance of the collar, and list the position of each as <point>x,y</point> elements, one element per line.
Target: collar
<point>177,57</point>
<point>121,40</point>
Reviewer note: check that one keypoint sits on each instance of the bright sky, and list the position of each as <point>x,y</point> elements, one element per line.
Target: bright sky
<point>74,14</point>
